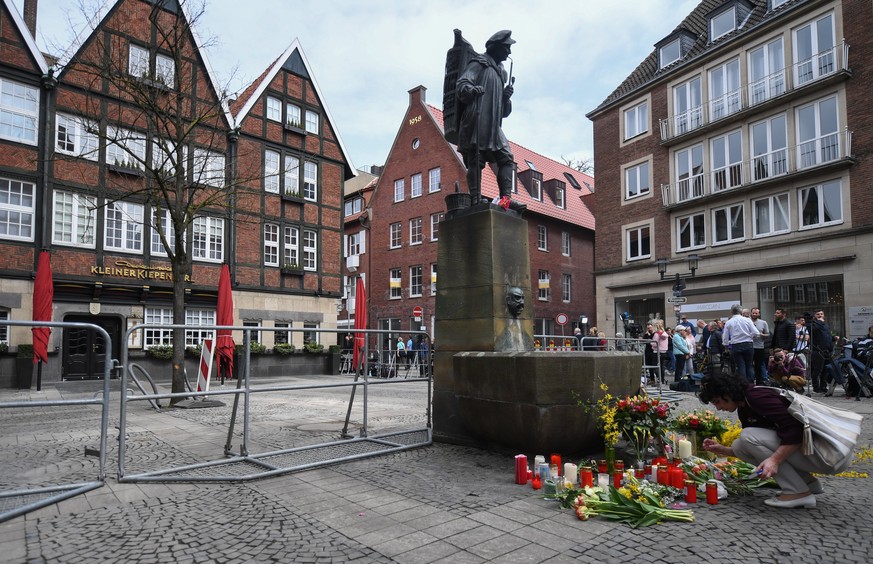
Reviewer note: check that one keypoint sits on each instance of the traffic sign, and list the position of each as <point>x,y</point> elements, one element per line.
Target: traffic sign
<point>561,319</point>
<point>417,312</point>
<point>677,300</point>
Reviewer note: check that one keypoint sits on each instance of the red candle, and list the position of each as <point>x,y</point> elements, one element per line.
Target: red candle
<point>711,492</point>
<point>586,477</point>
<point>639,474</point>
<point>601,467</point>
<point>536,482</point>
<point>617,477</point>
<point>556,460</point>
<point>619,465</point>
<point>659,460</point>
<point>677,478</point>
<point>691,491</point>
<point>663,475</point>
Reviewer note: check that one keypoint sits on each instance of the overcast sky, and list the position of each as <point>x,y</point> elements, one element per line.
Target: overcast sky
<point>367,54</point>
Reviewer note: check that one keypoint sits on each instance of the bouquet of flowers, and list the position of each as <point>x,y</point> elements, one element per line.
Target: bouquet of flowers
<point>704,422</point>
<point>638,418</point>
<point>738,477</point>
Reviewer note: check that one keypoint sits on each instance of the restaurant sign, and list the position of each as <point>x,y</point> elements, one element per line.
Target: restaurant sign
<point>127,269</point>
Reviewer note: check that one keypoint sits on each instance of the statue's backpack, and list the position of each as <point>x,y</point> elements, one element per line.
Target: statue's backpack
<point>456,61</point>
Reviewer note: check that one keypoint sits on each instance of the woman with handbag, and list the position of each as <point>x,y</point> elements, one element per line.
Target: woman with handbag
<point>771,438</point>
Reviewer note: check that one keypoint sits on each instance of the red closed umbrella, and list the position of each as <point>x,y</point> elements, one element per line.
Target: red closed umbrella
<point>224,344</point>
<point>43,295</point>
<point>360,320</point>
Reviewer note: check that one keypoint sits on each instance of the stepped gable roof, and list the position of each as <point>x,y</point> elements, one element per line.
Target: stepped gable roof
<point>293,60</point>
<point>697,25</point>
<point>576,211</point>
<point>107,7</point>
<point>26,36</point>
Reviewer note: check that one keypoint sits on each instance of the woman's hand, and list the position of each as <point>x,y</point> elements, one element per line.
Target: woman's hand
<point>713,445</point>
<point>768,468</point>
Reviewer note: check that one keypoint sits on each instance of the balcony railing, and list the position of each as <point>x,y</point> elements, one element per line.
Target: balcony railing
<point>821,151</point>
<point>820,66</point>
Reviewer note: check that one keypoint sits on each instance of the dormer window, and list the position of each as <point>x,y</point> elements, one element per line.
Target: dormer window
<point>670,53</point>
<point>139,65</point>
<point>722,23</point>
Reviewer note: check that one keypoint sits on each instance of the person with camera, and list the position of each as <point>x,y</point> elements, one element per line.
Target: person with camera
<point>822,347</point>
<point>786,372</point>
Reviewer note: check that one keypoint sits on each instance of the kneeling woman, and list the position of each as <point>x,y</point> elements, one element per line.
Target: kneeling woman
<point>771,438</point>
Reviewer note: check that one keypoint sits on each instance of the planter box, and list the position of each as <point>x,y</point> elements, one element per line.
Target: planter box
<point>292,271</point>
<point>125,170</point>
<point>295,129</point>
<point>293,199</point>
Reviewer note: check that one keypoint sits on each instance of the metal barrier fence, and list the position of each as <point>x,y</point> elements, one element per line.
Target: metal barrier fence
<point>20,501</point>
<point>211,457</point>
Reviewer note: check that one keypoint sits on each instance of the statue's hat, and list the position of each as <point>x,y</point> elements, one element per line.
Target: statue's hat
<point>502,36</point>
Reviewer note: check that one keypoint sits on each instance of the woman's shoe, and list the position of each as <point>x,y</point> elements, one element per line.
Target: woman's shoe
<point>806,502</point>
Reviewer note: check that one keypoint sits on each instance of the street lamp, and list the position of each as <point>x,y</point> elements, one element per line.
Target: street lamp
<point>693,263</point>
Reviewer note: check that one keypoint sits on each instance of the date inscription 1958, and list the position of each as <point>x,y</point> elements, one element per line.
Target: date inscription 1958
<point>416,119</point>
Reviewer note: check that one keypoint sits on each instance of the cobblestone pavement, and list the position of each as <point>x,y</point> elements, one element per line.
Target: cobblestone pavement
<point>442,503</point>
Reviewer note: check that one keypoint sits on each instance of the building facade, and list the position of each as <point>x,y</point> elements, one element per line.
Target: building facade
<point>90,138</point>
<point>409,201</point>
<point>737,148</point>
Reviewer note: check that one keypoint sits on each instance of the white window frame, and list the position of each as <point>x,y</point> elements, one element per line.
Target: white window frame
<point>543,283</point>
<point>766,71</point>
<point>730,215</point>
<point>271,244</point>
<point>19,112</point>
<point>74,219</point>
<point>560,201</point>
<point>271,170</point>
<point>128,237</point>
<point>164,155</point>
<point>395,239</point>
<point>395,284</point>
<point>537,186</point>
<point>273,109</point>
<point>542,238</point>
<point>199,317</point>
<point>693,226</point>
<point>291,247</point>
<point>125,147</point>
<point>294,116</point>
<point>415,186</point>
<point>435,219</point>
<point>565,243</point>
<point>312,122</point>
<point>291,175</point>
<point>690,175</point>
<point>665,53</point>
<point>353,206</point>
<point>138,61</point>
<point>208,167</point>
<point>636,120</point>
<point>726,163</point>
<point>157,248</point>
<point>416,281</point>
<point>165,70</point>
<point>155,336</point>
<point>309,242</point>
<point>4,329</point>
<point>207,242</point>
<point>416,228</point>
<point>73,136</point>
<point>820,143</point>
<point>687,106</point>
<point>635,176</point>
<point>725,90</point>
<point>817,60</point>
<point>566,287</point>
<point>769,212</point>
<point>399,190</point>
<point>433,176</point>
<point>825,191</point>
<point>17,209</point>
<point>310,181</point>
<point>635,238</point>
<point>771,159</point>
<point>722,23</point>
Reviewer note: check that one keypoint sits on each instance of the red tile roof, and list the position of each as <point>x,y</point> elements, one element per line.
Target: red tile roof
<point>576,211</point>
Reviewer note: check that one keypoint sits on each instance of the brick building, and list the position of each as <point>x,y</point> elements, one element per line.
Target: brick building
<point>81,159</point>
<point>738,146</point>
<point>409,201</point>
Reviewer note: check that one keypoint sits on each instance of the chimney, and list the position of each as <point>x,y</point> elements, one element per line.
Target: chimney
<point>417,95</point>
<point>30,16</point>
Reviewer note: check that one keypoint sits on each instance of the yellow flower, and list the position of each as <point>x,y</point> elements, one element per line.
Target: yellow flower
<point>626,493</point>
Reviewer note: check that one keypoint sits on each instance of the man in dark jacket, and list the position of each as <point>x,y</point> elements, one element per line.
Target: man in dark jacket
<point>714,346</point>
<point>783,331</point>
<point>822,346</point>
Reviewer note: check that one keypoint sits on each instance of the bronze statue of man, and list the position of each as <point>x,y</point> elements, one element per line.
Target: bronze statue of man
<point>484,93</point>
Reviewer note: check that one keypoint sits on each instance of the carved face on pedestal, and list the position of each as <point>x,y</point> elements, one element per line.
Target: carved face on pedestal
<point>515,301</point>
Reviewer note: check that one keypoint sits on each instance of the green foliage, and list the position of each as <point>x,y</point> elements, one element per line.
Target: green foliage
<point>163,352</point>
<point>194,351</point>
<point>334,349</point>
<point>254,348</point>
<point>3,347</point>
<point>313,347</point>
<point>25,351</point>
<point>284,349</point>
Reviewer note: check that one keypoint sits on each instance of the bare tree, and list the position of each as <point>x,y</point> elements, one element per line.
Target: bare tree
<point>143,94</point>
<point>585,166</point>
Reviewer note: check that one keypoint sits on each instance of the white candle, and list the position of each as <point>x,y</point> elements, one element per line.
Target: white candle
<point>603,480</point>
<point>571,472</point>
<point>684,448</point>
